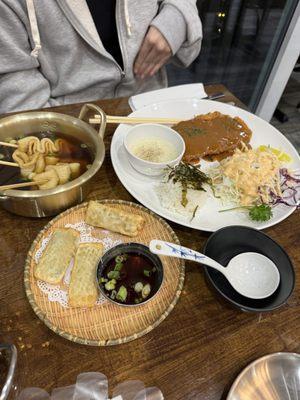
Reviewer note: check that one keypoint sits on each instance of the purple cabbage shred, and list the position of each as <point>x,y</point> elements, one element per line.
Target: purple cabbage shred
<point>290,187</point>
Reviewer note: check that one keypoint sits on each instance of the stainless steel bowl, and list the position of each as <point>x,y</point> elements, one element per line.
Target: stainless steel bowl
<point>43,203</point>
<point>11,351</point>
<point>272,377</point>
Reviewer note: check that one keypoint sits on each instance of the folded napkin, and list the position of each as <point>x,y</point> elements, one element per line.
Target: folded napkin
<point>192,90</point>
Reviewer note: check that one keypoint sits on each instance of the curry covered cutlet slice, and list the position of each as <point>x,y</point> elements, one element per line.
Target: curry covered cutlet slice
<point>212,134</point>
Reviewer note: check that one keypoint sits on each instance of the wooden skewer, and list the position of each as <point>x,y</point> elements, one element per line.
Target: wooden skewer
<point>111,119</point>
<point>21,185</point>
<point>9,144</point>
<point>10,164</point>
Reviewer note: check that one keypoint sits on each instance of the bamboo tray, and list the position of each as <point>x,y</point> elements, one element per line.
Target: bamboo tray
<point>106,323</point>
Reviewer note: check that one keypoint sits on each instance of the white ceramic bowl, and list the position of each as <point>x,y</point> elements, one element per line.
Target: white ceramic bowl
<point>153,131</point>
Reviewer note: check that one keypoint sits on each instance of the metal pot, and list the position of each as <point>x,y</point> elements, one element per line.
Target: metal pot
<point>8,385</point>
<point>43,203</point>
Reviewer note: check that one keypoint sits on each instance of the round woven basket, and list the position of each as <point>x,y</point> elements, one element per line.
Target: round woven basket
<point>107,323</point>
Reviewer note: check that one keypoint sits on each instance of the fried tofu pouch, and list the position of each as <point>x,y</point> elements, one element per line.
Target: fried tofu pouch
<point>113,219</point>
<point>57,256</point>
<point>83,290</point>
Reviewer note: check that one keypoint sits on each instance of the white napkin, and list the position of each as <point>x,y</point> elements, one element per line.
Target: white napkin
<point>192,90</point>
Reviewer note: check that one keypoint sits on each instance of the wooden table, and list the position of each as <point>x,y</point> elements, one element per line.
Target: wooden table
<point>195,353</point>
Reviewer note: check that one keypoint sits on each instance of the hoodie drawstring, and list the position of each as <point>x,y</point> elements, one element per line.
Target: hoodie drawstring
<point>127,18</point>
<point>34,28</point>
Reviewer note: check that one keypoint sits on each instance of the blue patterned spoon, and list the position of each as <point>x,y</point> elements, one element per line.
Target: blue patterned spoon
<point>251,274</point>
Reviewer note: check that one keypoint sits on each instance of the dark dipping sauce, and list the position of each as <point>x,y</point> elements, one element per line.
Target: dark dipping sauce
<point>72,150</point>
<point>133,271</point>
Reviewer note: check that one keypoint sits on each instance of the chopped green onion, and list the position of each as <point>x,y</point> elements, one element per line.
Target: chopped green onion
<point>118,267</point>
<point>138,287</point>
<point>103,280</point>
<point>122,294</point>
<point>147,272</point>
<point>113,294</point>
<point>113,275</point>
<point>110,285</point>
<point>119,259</point>
<point>146,291</point>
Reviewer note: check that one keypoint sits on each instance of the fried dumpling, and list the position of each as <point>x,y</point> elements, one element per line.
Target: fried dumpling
<point>113,219</point>
<point>83,290</point>
<point>57,256</point>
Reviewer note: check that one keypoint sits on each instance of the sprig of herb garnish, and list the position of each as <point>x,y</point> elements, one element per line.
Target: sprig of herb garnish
<point>262,212</point>
<point>190,177</point>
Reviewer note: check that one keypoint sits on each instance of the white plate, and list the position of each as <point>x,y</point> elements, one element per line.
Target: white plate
<point>207,218</point>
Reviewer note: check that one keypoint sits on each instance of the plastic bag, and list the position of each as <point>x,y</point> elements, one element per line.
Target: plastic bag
<point>94,386</point>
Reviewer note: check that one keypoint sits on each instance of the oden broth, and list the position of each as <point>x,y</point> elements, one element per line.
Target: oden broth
<point>72,151</point>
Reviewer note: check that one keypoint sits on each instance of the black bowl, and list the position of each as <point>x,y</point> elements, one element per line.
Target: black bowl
<point>136,248</point>
<point>228,242</point>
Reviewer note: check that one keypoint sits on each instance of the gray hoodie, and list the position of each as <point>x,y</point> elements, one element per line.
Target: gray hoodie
<point>51,53</point>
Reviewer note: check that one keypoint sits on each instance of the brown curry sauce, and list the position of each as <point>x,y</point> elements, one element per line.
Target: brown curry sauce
<point>213,136</point>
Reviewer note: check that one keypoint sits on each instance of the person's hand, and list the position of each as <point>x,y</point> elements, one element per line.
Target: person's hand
<point>153,54</point>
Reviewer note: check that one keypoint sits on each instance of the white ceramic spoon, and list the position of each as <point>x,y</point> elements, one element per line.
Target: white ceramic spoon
<point>251,274</point>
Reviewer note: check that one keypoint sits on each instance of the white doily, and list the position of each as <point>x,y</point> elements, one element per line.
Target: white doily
<point>85,232</point>
<point>57,293</point>
<point>54,293</point>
